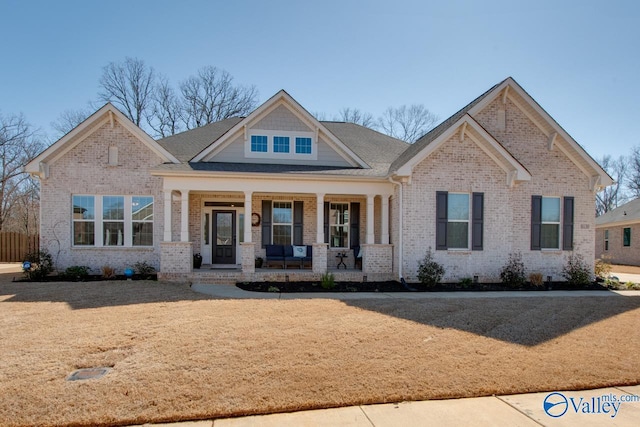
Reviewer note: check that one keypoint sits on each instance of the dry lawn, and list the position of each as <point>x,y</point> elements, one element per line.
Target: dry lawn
<point>178,355</point>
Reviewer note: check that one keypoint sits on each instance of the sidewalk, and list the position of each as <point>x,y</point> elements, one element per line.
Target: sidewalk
<point>512,410</point>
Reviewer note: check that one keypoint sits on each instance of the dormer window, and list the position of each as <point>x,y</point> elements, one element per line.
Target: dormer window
<point>259,143</point>
<point>279,144</point>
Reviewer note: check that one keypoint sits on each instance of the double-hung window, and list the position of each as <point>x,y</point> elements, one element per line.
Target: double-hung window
<point>339,225</point>
<point>459,218</point>
<point>303,145</point>
<point>606,240</point>
<point>84,216</point>
<point>121,221</point>
<point>282,223</point>
<point>259,143</point>
<point>552,223</point>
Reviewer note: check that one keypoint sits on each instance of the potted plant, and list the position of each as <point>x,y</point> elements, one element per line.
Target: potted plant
<point>259,262</point>
<point>197,260</point>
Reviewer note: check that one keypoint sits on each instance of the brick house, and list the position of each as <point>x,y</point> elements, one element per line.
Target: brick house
<point>617,233</point>
<point>497,177</point>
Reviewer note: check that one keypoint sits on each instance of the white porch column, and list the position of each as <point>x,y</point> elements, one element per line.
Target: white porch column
<point>385,220</point>
<point>370,228</point>
<point>184,211</point>
<point>167,215</point>
<point>247,216</point>
<point>319,217</point>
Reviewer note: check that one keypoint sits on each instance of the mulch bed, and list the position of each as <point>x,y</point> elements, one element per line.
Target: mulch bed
<point>395,286</point>
<point>88,278</point>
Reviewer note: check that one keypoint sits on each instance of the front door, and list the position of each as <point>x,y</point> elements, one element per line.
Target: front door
<point>224,237</point>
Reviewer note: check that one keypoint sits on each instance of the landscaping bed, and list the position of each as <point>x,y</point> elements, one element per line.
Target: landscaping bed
<point>395,286</point>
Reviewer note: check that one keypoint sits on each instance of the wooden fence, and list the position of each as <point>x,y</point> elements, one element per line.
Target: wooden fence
<point>14,246</point>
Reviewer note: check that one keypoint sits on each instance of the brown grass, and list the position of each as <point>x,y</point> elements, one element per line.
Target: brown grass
<point>178,355</point>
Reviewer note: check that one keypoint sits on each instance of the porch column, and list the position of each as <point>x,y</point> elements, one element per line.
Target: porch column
<point>319,217</point>
<point>247,216</point>
<point>184,199</point>
<point>167,215</point>
<point>385,220</point>
<point>370,228</point>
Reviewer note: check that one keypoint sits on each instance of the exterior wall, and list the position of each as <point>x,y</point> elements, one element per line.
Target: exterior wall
<point>85,170</point>
<point>617,253</point>
<point>464,167</point>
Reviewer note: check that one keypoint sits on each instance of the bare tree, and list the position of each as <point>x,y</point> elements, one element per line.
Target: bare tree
<point>24,215</point>
<point>633,181</point>
<point>167,114</point>
<point>69,119</point>
<point>211,95</point>
<point>614,195</point>
<point>19,144</point>
<point>129,85</point>
<point>407,123</point>
<point>359,117</point>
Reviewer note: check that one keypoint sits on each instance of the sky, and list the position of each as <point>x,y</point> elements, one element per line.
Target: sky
<point>580,60</point>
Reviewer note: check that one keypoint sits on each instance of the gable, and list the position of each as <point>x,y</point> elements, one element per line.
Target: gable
<point>493,113</point>
<point>107,117</point>
<point>280,131</point>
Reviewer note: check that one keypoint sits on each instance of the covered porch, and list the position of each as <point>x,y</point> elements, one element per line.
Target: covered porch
<point>231,222</point>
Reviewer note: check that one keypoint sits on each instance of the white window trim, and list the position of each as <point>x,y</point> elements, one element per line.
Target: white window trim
<point>270,154</point>
<point>558,223</point>
<point>468,221</point>
<point>334,225</point>
<point>98,221</point>
<point>274,223</point>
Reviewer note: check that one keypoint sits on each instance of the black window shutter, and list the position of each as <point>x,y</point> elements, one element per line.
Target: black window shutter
<point>266,222</point>
<point>298,214</point>
<point>441,220</point>
<point>477,214</point>
<point>326,222</point>
<point>536,223</point>
<point>567,224</point>
<point>354,218</point>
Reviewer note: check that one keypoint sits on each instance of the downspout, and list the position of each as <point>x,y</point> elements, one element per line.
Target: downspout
<point>400,225</point>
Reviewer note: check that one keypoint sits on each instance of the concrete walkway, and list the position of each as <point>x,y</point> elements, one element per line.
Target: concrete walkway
<point>594,408</point>
<point>232,291</point>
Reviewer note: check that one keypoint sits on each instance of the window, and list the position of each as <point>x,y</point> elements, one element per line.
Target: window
<point>551,223</point>
<point>626,236</point>
<point>280,144</point>
<point>550,231</point>
<point>83,220</point>
<point>303,145</point>
<point>459,217</point>
<point>282,223</point>
<point>123,221</point>
<point>259,143</point>
<point>606,240</point>
<point>142,220</point>
<point>458,221</point>
<point>113,220</point>
<point>339,225</point>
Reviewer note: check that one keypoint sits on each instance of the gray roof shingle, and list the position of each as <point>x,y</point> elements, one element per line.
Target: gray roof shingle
<point>628,212</point>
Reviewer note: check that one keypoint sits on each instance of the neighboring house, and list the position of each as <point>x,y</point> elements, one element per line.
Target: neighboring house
<point>499,176</point>
<point>618,234</point>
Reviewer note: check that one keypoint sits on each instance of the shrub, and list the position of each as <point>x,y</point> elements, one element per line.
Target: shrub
<point>430,272</point>
<point>144,269</point>
<point>536,279</point>
<point>602,268</point>
<point>328,281</point>
<point>273,289</point>
<point>466,282</point>
<point>108,272</point>
<point>77,272</point>
<point>41,265</point>
<point>513,272</point>
<point>576,270</point>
